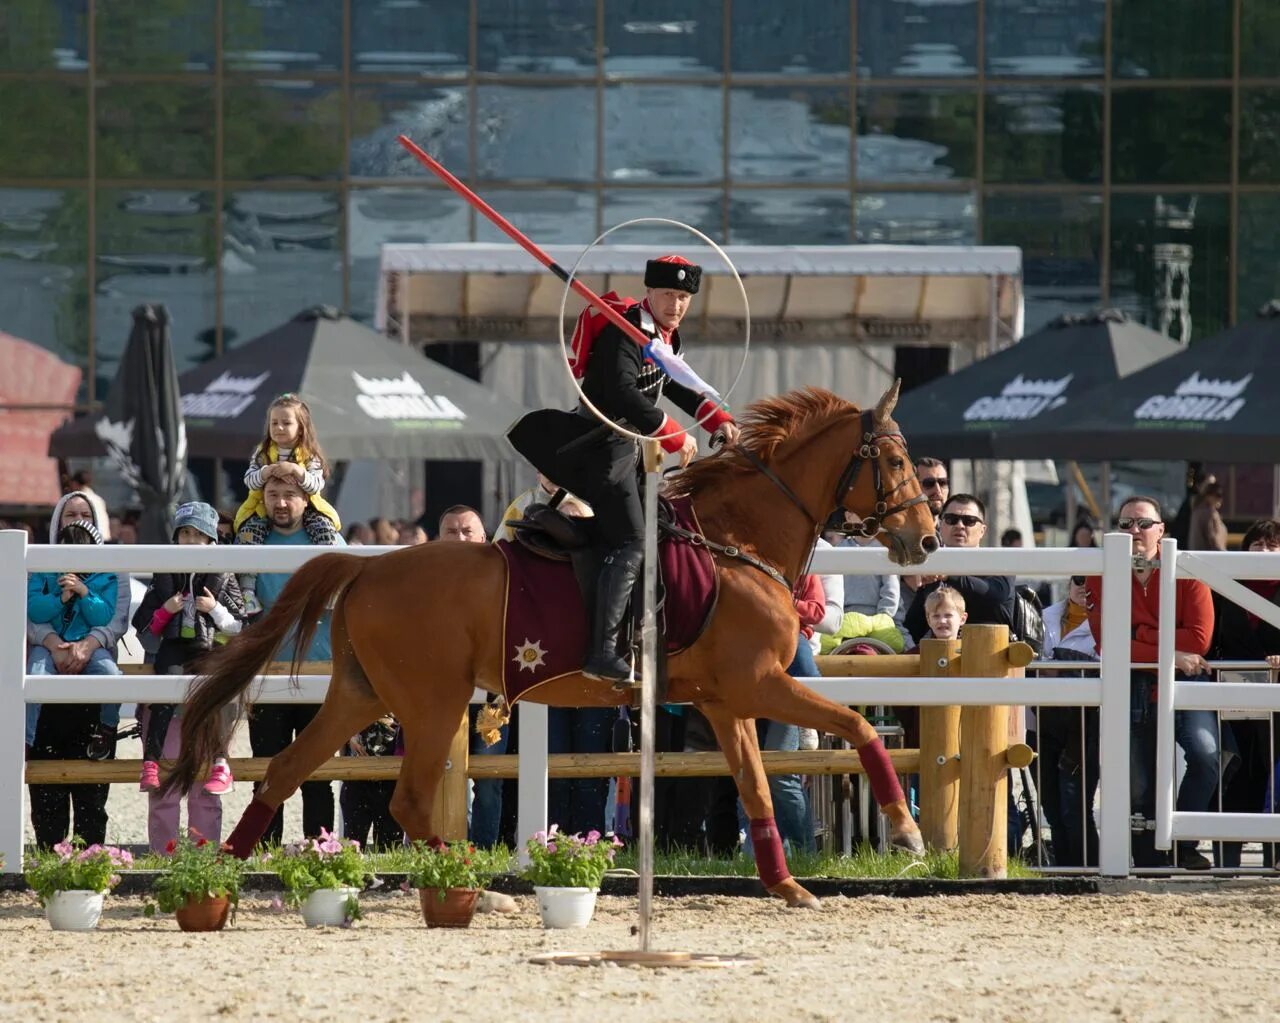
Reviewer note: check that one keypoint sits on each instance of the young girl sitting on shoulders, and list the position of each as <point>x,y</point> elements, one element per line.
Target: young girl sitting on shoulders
<point>289,451</point>
<point>945,613</point>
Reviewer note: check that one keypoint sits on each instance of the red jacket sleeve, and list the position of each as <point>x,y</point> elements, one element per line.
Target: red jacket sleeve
<point>811,601</point>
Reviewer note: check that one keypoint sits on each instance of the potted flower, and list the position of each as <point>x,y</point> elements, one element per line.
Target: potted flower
<point>323,877</point>
<point>71,881</point>
<point>449,879</point>
<point>200,885</point>
<point>566,871</point>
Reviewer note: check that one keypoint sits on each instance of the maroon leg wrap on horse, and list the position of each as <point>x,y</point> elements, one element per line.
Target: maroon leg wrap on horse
<point>880,773</point>
<point>253,825</point>
<point>771,863</point>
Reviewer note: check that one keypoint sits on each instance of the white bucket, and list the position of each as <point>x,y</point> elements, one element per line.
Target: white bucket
<point>327,907</point>
<point>565,907</point>
<point>76,910</point>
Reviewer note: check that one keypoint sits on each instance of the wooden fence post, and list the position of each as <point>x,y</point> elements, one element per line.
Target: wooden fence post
<point>984,777</point>
<point>451,799</point>
<point>939,751</point>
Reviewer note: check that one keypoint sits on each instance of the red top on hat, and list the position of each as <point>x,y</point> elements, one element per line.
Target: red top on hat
<point>680,260</point>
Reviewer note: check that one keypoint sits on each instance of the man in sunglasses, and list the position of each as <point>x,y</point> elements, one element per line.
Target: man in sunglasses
<point>934,482</point>
<point>1195,731</point>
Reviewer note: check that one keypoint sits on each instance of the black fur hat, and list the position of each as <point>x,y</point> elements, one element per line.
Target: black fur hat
<point>673,272</point>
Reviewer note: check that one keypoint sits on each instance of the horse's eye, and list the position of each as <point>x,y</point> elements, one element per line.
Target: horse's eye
<point>896,463</point>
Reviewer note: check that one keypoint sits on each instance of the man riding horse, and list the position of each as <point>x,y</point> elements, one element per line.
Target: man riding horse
<point>623,381</point>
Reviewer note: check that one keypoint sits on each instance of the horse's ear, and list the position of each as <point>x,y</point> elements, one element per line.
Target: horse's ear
<point>885,407</point>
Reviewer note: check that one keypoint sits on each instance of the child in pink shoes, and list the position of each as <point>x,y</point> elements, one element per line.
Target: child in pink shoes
<point>191,613</point>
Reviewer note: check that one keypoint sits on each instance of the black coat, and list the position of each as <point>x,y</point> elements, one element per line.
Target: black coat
<point>1236,638</point>
<point>223,585</point>
<point>988,600</point>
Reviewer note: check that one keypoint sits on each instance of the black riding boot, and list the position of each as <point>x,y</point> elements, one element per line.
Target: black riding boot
<point>618,578</point>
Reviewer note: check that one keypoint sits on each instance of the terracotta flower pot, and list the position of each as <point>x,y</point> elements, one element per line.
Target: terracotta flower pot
<point>455,909</point>
<point>207,914</point>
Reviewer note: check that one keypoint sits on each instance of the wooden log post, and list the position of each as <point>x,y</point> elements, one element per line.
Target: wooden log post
<point>939,751</point>
<point>984,777</point>
<point>450,816</point>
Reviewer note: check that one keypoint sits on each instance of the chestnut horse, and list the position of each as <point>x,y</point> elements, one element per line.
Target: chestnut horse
<point>414,631</point>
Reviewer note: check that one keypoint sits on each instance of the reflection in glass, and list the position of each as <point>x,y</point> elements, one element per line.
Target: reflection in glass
<point>550,37</point>
<point>154,245</point>
<point>376,216</point>
<point>43,129</point>
<point>1170,135</point>
<point>917,218</point>
<point>282,35</point>
<point>1056,40</point>
<point>702,208</point>
<point>158,35</point>
<point>1043,135</point>
<point>1259,29</point>
<point>663,133</point>
<point>798,133</point>
<point>663,37</point>
<point>435,118</point>
<point>281,253</point>
<point>548,216</point>
<point>1171,39</point>
<point>915,135</point>
<point>1061,241</point>
<point>426,36</point>
<point>44,292</point>
<point>772,217</point>
<point>805,37</point>
<point>543,133</point>
<point>1170,257</point>
<point>286,128</point>
<point>1259,272</point>
<point>1260,135</point>
<point>918,38</point>
<point>45,36</point>
<point>155,130</point>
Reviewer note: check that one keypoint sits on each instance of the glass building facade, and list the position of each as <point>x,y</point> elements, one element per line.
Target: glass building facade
<point>236,159</point>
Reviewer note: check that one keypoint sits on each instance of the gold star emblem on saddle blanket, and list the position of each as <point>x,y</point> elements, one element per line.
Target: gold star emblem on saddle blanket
<point>530,655</point>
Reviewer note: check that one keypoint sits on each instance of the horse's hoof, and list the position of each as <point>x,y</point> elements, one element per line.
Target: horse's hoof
<point>909,842</point>
<point>794,895</point>
<point>496,902</point>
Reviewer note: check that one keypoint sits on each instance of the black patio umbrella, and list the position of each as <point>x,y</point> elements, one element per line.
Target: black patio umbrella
<point>970,413</point>
<point>141,427</point>
<point>369,397</point>
<point>1210,403</point>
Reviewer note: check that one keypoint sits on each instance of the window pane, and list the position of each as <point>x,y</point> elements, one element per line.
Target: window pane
<point>702,208</point>
<point>543,37</point>
<point>44,129</point>
<point>663,37</point>
<point>796,133</point>
<point>281,129</point>
<point>916,134</point>
<point>1061,241</point>
<point>801,37</point>
<point>377,216</point>
<point>44,36</point>
<point>158,35</point>
<point>1259,135</point>
<point>429,36</point>
<point>1163,135</point>
<point>663,132</point>
<point>282,35</point>
<point>545,215</point>
<point>1171,38</point>
<point>536,133</point>
<point>1043,135</point>
<point>1170,256</point>
<point>1259,280</point>
<point>1259,27</point>
<point>1056,39</point>
<point>436,119</point>
<point>155,130</point>
<point>789,217</point>
<point>917,218</point>
<point>44,289</point>
<point>281,254</point>
<point>917,38</point>
<point>154,245</point>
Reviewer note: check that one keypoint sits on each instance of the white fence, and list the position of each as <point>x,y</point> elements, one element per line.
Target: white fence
<point>1109,691</point>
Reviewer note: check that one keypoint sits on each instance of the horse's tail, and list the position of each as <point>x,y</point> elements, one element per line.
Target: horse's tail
<point>224,674</point>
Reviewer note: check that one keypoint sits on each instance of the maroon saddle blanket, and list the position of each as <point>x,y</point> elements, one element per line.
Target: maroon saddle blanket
<point>544,622</point>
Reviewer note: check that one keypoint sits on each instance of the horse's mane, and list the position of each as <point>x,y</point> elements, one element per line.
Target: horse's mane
<point>766,424</point>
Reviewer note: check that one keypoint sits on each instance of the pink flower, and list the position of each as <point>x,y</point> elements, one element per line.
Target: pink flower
<point>551,847</point>
<point>593,837</point>
<point>277,904</point>
<point>64,849</point>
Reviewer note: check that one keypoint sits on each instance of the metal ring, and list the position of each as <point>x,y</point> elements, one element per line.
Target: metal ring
<point>564,301</point>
